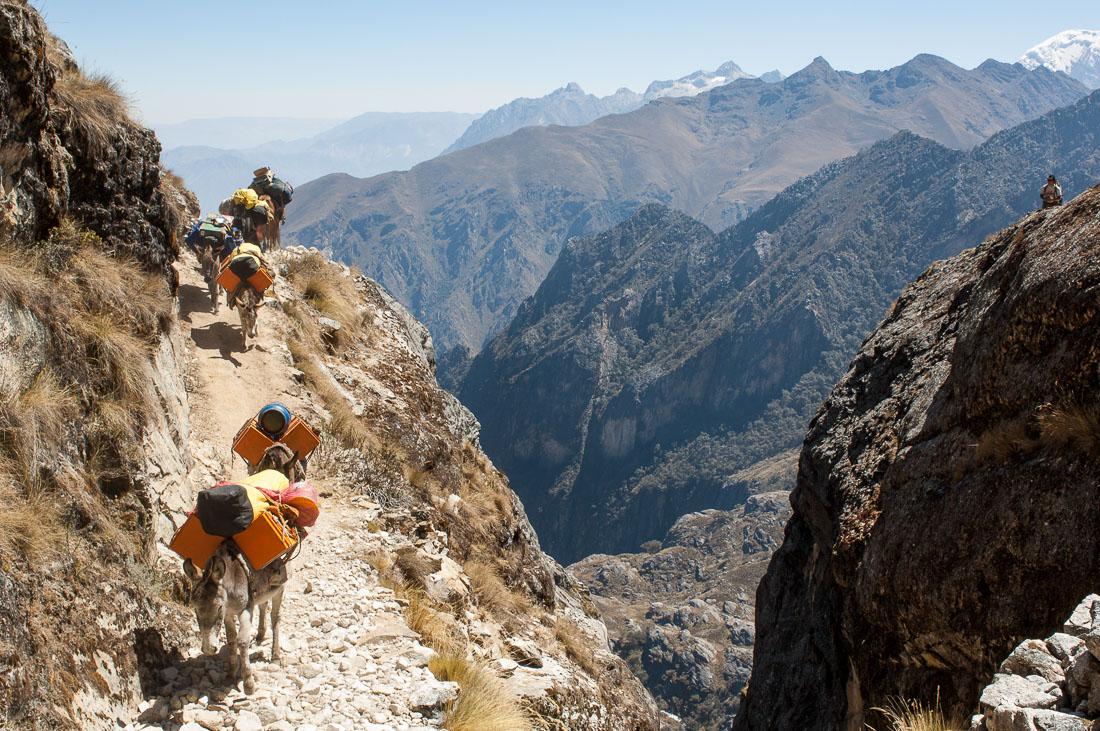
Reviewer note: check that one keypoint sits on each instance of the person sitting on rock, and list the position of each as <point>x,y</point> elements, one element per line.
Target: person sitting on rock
<point>1051,193</point>
<point>244,261</point>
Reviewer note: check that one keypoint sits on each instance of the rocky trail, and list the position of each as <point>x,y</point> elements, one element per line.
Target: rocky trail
<point>349,659</point>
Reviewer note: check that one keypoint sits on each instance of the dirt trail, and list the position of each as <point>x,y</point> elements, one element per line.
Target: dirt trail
<point>349,660</point>
<point>231,383</point>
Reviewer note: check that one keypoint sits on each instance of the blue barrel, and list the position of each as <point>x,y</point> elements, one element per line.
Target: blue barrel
<point>273,420</point>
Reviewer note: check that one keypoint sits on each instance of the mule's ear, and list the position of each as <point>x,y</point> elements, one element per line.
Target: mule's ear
<point>190,571</point>
<point>217,569</point>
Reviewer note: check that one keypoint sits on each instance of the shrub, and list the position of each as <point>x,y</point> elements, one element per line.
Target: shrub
<point>576,646</point>
<point>492,593</point>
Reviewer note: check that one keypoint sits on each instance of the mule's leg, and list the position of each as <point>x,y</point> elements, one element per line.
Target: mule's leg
<point>276,607</point>
<point>231,643</point>
<point>244,639</point>
<point>262,629</point>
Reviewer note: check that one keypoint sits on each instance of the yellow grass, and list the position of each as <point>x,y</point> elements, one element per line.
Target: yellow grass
<point>576,646</point>
<point>911,715</point>
<point>96,102</point>
<point>492,593</point>
<point>483,703</point>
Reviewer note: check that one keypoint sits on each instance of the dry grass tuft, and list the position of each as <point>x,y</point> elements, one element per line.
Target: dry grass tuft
<point>576,646</point>
<point>911,715</point>
<point>492,593</point>
<point>1007,441</point>
<point>435,624</point>
<point>1071,428</point>
<point>96,101</point>
<point>332,294</point>
<point>483,703</point>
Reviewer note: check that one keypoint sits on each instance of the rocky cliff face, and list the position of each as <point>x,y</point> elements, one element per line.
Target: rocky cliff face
<point>682,613</point>
<point>68,149</point>
<point>945,507</point>
<point>657,359</point>
<point>464,238</point>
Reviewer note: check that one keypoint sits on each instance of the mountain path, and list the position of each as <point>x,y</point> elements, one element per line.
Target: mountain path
<point>349,659</point>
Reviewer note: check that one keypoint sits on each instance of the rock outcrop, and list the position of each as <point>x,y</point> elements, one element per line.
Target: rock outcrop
<point>1052,683</point>
<point>945,506</point>
<point>69,150</point>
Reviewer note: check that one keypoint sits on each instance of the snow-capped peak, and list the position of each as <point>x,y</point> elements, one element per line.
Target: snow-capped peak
<point>697,82</point>
<point>1075,52</point>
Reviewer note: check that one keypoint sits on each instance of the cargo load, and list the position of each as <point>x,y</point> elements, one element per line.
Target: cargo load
<point>229,508</point>
<point>259,279</point>
<point>251,441</point>
<point>261,513</point>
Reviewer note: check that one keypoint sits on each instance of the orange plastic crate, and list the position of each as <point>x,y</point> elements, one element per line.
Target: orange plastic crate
<point>192,542</point>
<point>268,538</point>
<point>261,280</point>
<point>227,280</point>
<point>251,443</point>
<point>300,438</point>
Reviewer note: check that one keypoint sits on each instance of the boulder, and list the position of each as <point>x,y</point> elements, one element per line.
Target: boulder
<point>1064,646</point>
<point>524,652</point>
<point>432,695</point>
<point>1018,692</point>
<point>1031,657</point>
<point>1008,718</point>
<point>1081,621</point>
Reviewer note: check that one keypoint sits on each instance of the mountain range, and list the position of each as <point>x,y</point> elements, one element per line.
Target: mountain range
<point>365,145</point>
<point>464,238</point>
<point>658,358</point>
<point>1073,52</point>
<point>570,106</point>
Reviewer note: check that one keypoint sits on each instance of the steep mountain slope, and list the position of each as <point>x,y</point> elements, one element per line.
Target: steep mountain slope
<point>946,500</point>
<point>658,358</point>
<point>1073,52</point>
<point>369,144</point>
<point>463,238</point>
<point>570,106</point>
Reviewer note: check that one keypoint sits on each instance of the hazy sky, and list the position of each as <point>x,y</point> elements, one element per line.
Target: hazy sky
<point>181,59</point>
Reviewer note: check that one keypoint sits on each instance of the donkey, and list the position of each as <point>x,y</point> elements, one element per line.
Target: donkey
<point>247,302</point>
<point>210,273</point>
<point>227,592</point>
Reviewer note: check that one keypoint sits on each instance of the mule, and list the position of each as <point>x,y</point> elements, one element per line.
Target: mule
<point>247,301</point>
<point>210,273</point>
<point>227,593</point>
<point>280,458</point>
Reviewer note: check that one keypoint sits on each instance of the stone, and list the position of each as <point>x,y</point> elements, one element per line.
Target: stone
<point>1012,690</point>
<point>248,721</point>
<point>1031,657</point>
<point>504,667</point>
<point>1064,646</point>
<point>1092,642</point>
<point>524,652</point>
<point>1081,620</point>
<point>432,695</point>
<point>1007,718</point>
<point>1082,667</point>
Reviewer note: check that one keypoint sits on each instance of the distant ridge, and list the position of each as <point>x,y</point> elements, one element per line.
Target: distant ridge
<point>570,106</point>
<point>462,239</point>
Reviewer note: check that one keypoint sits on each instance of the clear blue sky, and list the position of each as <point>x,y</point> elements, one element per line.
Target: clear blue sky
<point>339,58</point>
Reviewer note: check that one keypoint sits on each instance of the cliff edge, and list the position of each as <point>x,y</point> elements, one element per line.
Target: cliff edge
<point>946,499</point>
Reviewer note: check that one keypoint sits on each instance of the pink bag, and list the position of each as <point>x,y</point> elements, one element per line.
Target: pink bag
<point>302,496</point>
